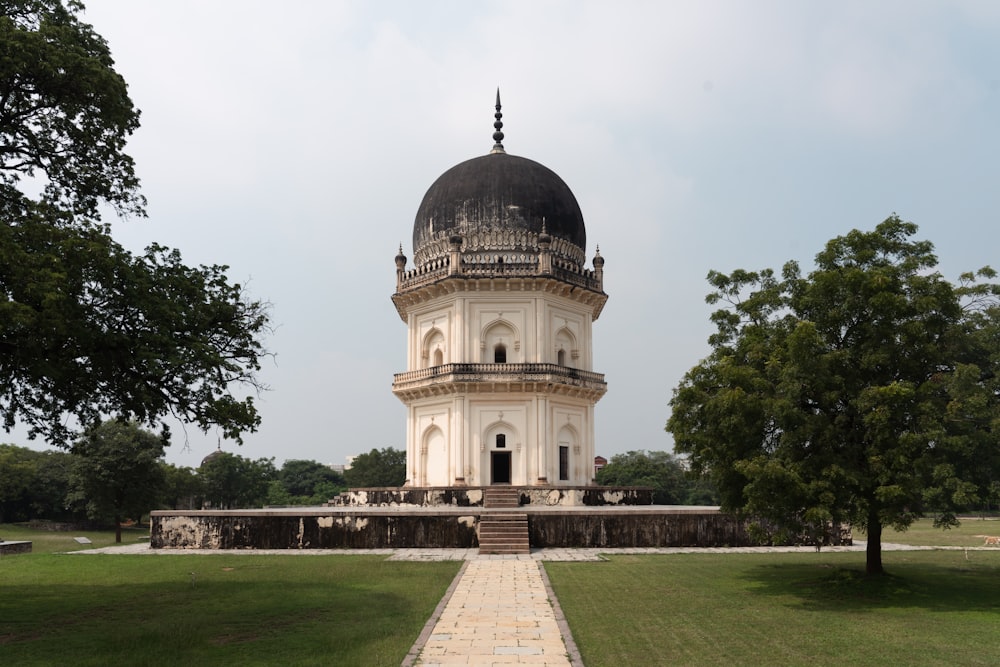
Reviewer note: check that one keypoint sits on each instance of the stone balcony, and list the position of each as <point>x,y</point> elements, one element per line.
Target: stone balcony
<point>499,378</point>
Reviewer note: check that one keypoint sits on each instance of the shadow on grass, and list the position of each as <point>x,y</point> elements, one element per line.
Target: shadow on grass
<point>207,610</point>
<point>934,586</point>
<point>224,612</point>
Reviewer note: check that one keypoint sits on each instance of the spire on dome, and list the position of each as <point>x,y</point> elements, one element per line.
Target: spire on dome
<point>497,125</point>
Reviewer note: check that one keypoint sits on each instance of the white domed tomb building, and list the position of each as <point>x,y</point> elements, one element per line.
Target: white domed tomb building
<point>499,305</point>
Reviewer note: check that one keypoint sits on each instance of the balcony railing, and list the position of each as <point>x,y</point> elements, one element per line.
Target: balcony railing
<point>439,269</point>
<point>500,373</point>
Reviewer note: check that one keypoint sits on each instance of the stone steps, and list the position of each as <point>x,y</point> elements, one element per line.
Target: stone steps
<point>505,533</point>
<point>501,497</point>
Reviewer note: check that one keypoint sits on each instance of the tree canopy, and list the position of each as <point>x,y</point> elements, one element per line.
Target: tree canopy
<point>377,468</point>
<point>87,329</point>
<point>670,480</point>
<point>34,485</point>
<point>231,481</point>
<point>117,472</point>
<point>65,113</point>
<point>865,392</point>
<point>306,482</point>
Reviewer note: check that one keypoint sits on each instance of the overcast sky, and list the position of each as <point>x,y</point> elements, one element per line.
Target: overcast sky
<point>294,141</point>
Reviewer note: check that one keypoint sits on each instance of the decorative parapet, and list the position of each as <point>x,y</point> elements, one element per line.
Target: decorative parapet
<point>498,242</point>
<point>451,378</point>
<point>507,265</point>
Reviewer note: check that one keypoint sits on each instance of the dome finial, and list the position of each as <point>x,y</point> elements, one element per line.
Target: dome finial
<point>497,125</point>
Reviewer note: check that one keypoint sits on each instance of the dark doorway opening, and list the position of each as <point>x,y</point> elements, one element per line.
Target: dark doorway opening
<point>500,465</point>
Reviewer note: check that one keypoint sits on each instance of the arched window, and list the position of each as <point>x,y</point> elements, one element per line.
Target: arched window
<point>501,441</point>
<point>561,357</point>
<point>500,354</point>
<point>438,357</point>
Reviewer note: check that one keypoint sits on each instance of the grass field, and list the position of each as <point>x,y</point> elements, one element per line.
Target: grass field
<point>214,609</point>
<point>55,541</point>
<point>935,608</point>
<point>923,533</point>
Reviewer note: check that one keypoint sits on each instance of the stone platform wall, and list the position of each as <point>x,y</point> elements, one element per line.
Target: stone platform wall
<point>637,529</point>
<point>316,528</point>
<point>270,530</point>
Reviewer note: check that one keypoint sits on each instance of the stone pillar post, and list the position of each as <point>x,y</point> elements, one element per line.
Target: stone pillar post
<point>455,255</point>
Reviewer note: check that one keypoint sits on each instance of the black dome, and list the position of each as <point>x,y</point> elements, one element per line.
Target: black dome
<point>498,193</point>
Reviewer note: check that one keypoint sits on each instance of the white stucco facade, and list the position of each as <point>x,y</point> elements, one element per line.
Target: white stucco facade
<point>514,422</point>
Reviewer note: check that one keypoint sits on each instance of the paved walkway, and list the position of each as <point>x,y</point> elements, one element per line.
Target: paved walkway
<point>499,610</point>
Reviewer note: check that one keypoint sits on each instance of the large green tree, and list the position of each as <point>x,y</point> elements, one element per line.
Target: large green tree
<point>117,473</point>
<point>379,467</point>
<point>864,392</point>
<point>88,329</point>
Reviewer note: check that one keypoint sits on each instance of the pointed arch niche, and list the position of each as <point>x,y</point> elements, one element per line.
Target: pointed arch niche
<point>567,351</point>
<point>501,343</point>
<point>433,350</point>
<point>501,455</point>
<point>433,458</point>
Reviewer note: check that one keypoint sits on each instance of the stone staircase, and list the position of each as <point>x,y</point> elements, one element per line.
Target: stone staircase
<point>504,531</point>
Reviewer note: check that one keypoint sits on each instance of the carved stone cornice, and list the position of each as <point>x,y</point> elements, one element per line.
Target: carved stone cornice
<point>441,283</point>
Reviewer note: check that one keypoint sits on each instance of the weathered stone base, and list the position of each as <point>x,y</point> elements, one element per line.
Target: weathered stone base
<point>15,547</point>
<point>310,528</point>
<point>472,496</point>
<point>445,527</point>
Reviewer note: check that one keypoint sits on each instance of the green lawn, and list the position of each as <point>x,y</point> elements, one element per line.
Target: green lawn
<point>923,533</point>
<point>55,541</point>
<point>935,608</point>
<point>214,609</point>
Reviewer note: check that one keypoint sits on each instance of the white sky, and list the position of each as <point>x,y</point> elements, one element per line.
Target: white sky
<point>294,141</point>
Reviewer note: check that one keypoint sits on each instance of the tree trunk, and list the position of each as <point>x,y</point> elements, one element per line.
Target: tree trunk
<point>118,530</point>
<point>873,551</point>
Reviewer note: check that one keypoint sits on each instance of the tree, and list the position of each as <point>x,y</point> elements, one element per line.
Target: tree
<point>117,473</point>
<point>34,484</point>
<point>861,393</point>
<point>18,469</point>
<point>232,481</point>
<point>182,488</point>
<point>65,113</point>
<point>667,475</point>
<point>88,329</point>
<point>304,482</point>
<point>379,467</point>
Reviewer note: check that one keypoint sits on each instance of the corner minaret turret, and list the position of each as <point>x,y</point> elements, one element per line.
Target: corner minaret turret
<point>499,307</point>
